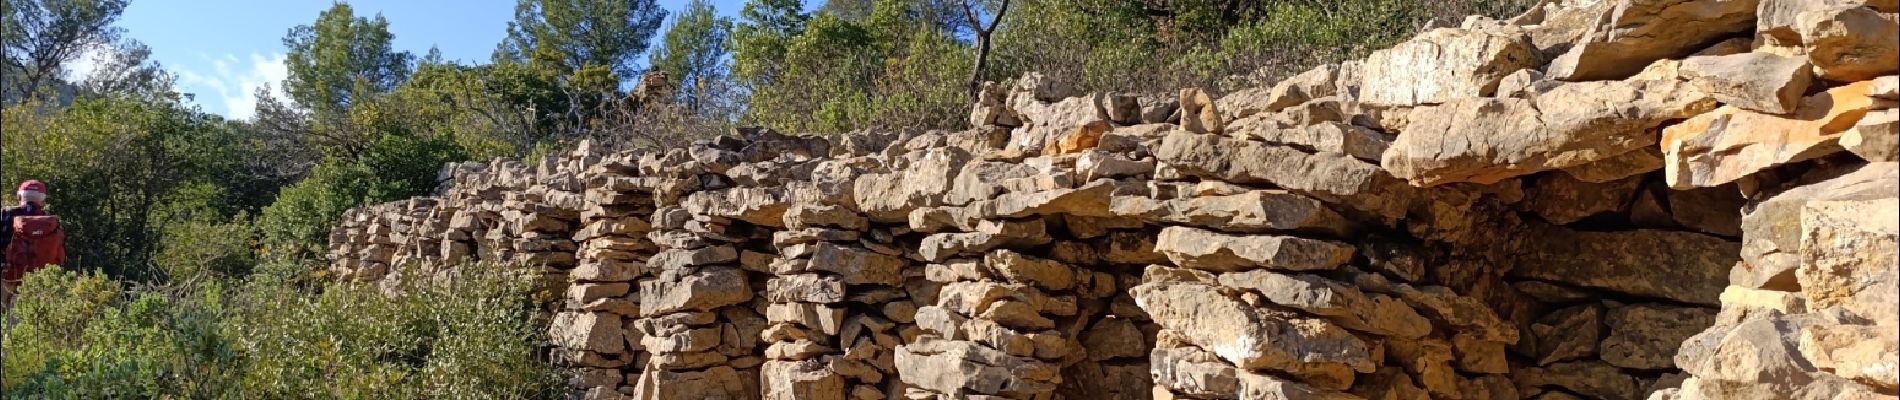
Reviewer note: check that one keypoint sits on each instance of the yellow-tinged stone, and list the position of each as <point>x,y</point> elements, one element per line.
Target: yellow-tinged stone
<point>1660,70</point>
<point>1847,257</point>
<point>1078,140</point>
<point>1729,143</point>
<point>1859,352</point>
<point>1161,393</point>
<point>1199,113</point>
<point>1738,297</point>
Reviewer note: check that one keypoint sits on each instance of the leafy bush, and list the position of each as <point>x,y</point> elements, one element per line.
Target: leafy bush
<point>394,167</point>
<point>473,337</point>
<point>296,224</point>
<point>113,163</point>
<point>197,241</point>
<point>845,69</point>
<point>78,336</point>
<point>81,336</point>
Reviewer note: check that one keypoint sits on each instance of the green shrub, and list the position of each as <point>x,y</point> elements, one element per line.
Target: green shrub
<point>297,225</point>
<point>473,338</point>
<point>113,163</point>
<point>81,336</point>
<point>205,247</point>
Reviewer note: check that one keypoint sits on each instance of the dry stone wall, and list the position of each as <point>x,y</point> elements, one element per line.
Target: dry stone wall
<point>1617,199</point>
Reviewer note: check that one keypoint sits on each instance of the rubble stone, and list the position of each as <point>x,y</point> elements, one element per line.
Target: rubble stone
<point>1614,199</point>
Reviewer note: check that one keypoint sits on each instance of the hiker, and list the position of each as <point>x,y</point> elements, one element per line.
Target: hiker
<point>30,237</point>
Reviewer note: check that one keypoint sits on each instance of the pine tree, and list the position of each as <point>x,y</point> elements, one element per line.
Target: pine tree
<point>693,55</point>
<point>39,37</point>
<point>765,29</point>
<point>340,59</point>
<point>567,38</point>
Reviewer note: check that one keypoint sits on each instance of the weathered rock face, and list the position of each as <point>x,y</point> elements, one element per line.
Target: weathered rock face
<point>1730,143</point>
<point>1486,140</point>
<point>1755,81</point>
<point>1613,199</point>
<point>1446,64</point>
<point>1628,34</point>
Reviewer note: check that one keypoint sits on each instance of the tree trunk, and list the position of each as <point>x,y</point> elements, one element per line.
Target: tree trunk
<point>982,42</point>
<point>982,59</point>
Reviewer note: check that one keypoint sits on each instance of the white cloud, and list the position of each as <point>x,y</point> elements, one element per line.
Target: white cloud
<point>233,83</point>
<point>89,60</point>
<point>82,68</point>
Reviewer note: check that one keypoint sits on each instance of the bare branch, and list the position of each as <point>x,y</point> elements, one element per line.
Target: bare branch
<point>997,19</point>
<point>969,14</point>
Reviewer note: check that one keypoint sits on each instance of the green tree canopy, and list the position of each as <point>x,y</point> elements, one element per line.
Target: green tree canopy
<point>900,65</point>
<point>693,54</point>
<point>766,27</point>
<point>126,67</point>
<point>341,58</point>
<point>40,36</point>
<point>564,37</point>
<point>122,168</point>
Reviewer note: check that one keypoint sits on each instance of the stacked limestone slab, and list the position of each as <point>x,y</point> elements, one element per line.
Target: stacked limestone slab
<point>1619,199</point>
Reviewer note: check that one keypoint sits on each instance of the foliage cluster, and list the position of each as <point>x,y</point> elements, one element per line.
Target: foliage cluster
<point>880,64</point>
<point>200,237</point>
<point>83,336</point>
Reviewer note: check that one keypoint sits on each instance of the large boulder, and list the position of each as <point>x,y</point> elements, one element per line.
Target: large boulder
<point>1256,211</point>
<point>1350,308</point>
<point>1848,257</point>
<point>1621,166</point>
<point>705,289</point>
<point>956,367</point>
<point>1312,84</point>
<point>1645,336</point>
<point>1256,338</point>
<point>1486,140</point>
<point>1194,372</point>
<point>1562,199</point>
<point>1729,143</point>
<point>1773,233</point>
<point>590,331</point>
<point>889,197</point>
<point>858,266</point>
<point>1106,381</point>
<point>800,380</point>
<point>1205,250</point>
<point>1848,43</point>
<point>1331,137</point>
<point>1876,137</point>
<point>1018,268</point>
<point>1637,32</point>
<point>1199,112</point>
<point>1863,353</point>
<point>1754,81</point>
<point>1327,176</point>
<point>1756,359</point>
<point>720,382</point>
<point>1777,23</point>
<point>1469,315</point>
<point>1589,378</point>
<point>1046,108</point>
<point>1445,64</point>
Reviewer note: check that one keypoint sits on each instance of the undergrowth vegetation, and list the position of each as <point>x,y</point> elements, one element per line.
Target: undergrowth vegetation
<point>81,335</point>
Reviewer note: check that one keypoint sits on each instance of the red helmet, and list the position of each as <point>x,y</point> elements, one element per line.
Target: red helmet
<point>33,185</point>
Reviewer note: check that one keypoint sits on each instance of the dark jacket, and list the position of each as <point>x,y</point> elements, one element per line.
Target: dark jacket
<point>6,221</point>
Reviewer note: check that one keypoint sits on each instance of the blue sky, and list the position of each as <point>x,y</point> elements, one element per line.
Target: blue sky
<point>223,50</point>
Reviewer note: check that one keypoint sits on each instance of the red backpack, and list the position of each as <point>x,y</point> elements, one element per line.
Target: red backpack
<point>37,242</point>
